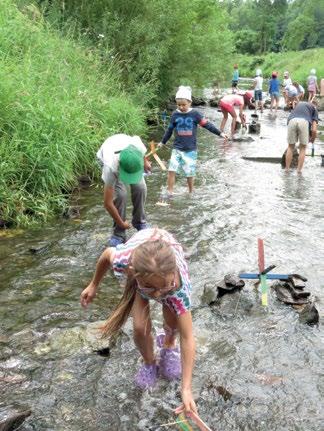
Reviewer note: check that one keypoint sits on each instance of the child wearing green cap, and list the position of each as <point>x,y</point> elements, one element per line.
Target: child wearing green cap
<point>123,162</point>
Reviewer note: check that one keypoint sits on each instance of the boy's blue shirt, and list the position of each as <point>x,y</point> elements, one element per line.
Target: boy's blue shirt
<point>185,126</point>
<point>235,75</point>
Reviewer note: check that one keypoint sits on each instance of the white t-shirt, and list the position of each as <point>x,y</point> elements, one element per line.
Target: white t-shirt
<point>258,80</point>
<point>108,155</point>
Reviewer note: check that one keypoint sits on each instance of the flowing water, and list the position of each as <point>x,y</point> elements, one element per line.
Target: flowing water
<point>256,369</point>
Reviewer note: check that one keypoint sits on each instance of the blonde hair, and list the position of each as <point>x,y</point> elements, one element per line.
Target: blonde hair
<point>153,257</point>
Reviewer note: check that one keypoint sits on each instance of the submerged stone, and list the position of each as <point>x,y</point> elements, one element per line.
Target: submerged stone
<point>309,315</point>
<point>11,418</point>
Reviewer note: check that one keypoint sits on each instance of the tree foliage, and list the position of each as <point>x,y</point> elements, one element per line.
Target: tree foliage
<point>159,43</point>
<point>262,26</point>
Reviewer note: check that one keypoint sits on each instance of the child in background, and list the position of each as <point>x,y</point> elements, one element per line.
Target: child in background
<point>235,78</point>
<point>312,85</point>
<point>184,121</point>
<point>274,90</point>
<point>227,105</point>
<point>151,265</point>
<point>258,82</point>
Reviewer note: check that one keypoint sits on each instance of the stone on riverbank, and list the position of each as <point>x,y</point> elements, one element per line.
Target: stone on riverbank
<point>12,417</point>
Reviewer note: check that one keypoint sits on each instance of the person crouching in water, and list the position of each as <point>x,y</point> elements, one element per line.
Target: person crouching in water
<point>152,266</point>
<point>302,127</point>
<point>227,105</point>
<point>184,122</point>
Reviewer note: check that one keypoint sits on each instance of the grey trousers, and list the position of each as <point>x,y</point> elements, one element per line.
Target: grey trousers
<point>138,195</point>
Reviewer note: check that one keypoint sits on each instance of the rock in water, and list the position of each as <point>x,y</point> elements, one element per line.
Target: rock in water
<point>11,418</point>
<point>309,315</point>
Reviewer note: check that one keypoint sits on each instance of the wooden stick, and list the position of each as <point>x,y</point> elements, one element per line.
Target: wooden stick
<point>199,422</point>
<point>159,162</point>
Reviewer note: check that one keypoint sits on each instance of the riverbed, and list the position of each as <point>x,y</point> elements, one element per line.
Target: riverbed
<point>257,368</point>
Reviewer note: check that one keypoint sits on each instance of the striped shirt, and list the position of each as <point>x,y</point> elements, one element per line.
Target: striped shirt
<point>179,301</point>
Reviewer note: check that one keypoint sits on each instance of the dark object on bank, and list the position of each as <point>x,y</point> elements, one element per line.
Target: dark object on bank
<point>294,161</point>
<point>105,352</point>
<point>322,156</point>
<point>231,283</point>
<point>12,417</point>
<point>84,181</point>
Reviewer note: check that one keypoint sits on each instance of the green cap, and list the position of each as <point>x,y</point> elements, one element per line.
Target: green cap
<point>131,165</point>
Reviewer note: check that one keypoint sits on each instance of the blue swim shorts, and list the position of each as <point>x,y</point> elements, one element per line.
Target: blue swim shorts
<point>183,160</point>
<point>275,94</point>
<point>258,95</point>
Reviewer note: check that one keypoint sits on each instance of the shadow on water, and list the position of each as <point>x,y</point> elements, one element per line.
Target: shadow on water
<point>256,369</point>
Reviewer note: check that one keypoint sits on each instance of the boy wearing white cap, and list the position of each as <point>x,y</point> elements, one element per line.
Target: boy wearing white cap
<point>184,122</point>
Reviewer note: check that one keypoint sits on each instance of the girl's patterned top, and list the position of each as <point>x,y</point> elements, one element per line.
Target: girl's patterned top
<point>179,301</point>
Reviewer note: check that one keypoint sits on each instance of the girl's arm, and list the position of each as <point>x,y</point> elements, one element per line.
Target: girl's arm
<point>103,264</point>
<point>187,345</point>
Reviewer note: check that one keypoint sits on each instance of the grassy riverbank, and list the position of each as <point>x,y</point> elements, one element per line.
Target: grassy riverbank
<point>58,101</point>
<point>298,63</point>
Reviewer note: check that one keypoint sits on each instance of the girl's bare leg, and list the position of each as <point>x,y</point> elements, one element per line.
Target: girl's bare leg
<point>222,125</point>
<point>234,118</point>
<point>142,327</point>
<point>170,327</point>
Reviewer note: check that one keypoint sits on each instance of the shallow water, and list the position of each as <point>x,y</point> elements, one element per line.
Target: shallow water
<point>270,364</point>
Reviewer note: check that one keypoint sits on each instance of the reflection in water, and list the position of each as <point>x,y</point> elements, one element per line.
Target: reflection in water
<point>256,369</point>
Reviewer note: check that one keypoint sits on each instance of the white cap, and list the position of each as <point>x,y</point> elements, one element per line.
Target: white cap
<point>313,71</point>
<point>258,72</point>
<point>183,93</point>
<point>286,73</point>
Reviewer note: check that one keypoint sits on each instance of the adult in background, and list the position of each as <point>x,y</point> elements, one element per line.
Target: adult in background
<point>123,162</point>
<point>302,127</point>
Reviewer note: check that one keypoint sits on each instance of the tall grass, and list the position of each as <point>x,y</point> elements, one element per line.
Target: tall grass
<point>58,102</point>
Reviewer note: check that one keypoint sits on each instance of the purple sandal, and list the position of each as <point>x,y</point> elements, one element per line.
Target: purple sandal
<point>170,362</point>
<point>147,376</point>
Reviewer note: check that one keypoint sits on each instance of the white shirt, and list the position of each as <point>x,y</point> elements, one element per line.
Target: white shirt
<point>258,80</point>
<point>109,151</point>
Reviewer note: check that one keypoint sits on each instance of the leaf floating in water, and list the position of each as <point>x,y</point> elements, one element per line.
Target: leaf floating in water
<point>162,204</point>
<point>269,379</point>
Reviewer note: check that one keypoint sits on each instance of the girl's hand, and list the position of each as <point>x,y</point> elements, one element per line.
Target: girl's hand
<point>223,135</point>
<point>126,225</point>
<point>87,295</point>
<point>188,403</point>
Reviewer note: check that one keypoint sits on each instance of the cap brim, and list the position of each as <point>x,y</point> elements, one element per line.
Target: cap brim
<point>133,178</point>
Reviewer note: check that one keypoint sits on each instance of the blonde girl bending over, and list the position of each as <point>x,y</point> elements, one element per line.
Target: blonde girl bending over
<point>151,265</point>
